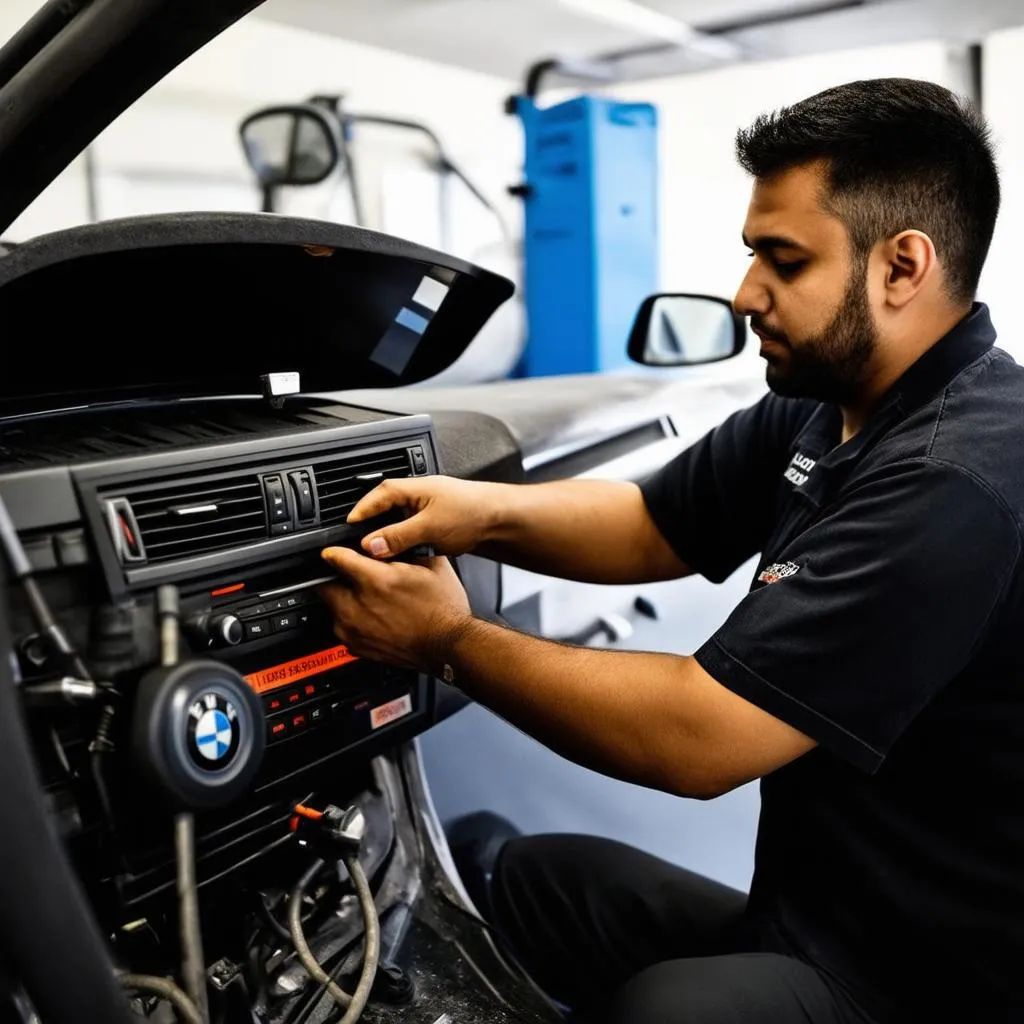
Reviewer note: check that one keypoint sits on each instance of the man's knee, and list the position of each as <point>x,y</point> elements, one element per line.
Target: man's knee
<point>536,868</point>
<point>736,989</point>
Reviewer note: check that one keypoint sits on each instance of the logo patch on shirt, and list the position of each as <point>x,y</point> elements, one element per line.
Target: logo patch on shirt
<point>799,470</point>
<point>779,571</point>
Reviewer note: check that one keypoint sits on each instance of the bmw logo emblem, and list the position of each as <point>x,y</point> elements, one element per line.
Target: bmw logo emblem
<point>213,733</point>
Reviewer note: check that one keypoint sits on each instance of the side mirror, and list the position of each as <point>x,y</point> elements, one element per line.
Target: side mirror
<point>290,145</point>
<point>685,330</point>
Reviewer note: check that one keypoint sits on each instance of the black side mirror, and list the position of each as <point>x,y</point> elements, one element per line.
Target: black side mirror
<point>290,145</point>
<point>685,330</point>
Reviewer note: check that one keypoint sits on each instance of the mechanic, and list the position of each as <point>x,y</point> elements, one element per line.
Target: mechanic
<point>872,676</point>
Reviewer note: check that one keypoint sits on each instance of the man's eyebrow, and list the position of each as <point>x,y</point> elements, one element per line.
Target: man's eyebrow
<point>764,242</point>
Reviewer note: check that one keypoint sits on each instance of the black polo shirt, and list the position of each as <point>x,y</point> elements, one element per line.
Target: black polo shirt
<point>885,621</point>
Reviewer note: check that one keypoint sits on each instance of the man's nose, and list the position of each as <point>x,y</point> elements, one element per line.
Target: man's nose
<point>753,298</point>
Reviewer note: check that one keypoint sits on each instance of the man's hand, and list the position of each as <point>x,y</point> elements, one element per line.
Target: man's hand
<point>451,514</point>
<point>394,612</point>
<point>596,531</point>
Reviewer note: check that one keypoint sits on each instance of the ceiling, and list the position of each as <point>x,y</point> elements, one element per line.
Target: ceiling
<point>505,37</point>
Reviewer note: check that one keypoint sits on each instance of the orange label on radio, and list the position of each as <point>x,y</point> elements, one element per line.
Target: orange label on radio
<point>300,668</point>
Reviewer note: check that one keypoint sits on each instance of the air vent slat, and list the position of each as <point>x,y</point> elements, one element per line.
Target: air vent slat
<point>173,496</point>
<point>189,528</point>
<point>355,468</point>
<point>222,504</point>
<point>184,548</point>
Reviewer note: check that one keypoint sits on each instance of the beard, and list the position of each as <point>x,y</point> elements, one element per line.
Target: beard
<point>830,366</point>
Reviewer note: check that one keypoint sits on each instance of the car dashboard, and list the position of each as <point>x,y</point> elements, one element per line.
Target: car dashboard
<point>167,454</point>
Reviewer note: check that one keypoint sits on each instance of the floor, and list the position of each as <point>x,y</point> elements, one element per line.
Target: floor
<point>476,761</point>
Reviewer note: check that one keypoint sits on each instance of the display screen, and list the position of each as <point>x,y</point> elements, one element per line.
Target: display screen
<point>293,671</point>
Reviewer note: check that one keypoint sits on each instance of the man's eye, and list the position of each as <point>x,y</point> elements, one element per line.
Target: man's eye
<point>790,270</point>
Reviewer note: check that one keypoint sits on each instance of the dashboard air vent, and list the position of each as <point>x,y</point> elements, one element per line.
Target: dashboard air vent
<point>342,481</point>
<point>160,522</point>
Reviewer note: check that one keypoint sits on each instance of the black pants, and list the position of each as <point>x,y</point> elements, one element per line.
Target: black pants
<point>624,938</point>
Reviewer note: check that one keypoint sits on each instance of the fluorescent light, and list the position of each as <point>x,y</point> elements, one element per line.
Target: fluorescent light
<point>635,17</point>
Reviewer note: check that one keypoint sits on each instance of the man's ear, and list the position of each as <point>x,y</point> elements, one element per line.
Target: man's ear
<point>910,261</point>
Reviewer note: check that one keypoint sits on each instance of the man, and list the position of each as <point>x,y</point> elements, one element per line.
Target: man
<point>871,678</point>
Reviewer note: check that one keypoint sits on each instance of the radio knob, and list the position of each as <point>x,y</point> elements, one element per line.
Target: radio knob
<point>225,629</point>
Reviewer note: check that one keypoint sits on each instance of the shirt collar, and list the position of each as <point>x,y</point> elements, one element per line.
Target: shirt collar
<point>968,341</point>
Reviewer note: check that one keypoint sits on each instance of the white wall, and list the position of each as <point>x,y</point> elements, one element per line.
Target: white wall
<point>1002,90</point>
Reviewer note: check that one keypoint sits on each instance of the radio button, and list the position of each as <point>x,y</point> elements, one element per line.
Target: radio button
<point>317,714</point>
<point>300,721</point>
<point>256,629</point>
<point>310,690</point>
<point>274,704</point>
<point>291,601</point>
<point>281,623</point>
<point>279,729</point>
<point>292,697</point>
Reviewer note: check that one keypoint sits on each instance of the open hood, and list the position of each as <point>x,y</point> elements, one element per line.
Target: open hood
<point>206,305</point>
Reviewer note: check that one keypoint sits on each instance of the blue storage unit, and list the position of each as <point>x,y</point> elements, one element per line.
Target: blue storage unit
<point>591,242</point>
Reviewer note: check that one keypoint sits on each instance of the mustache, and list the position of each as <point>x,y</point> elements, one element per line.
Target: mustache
<point>758,325</point>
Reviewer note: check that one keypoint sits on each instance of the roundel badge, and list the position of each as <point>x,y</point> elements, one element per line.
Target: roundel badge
<point>213,733</point>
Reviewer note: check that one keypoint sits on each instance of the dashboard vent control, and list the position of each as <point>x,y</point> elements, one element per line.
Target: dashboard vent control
<point>341,482</point>
<point>160,522</point>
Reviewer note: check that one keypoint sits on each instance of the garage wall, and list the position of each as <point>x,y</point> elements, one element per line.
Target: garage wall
<point>1002,89</point>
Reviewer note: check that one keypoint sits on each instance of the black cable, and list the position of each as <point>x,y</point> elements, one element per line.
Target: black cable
<point>333,965</point>
<point>46,623</point>
<point>266,915</point>
<point>165,989</point>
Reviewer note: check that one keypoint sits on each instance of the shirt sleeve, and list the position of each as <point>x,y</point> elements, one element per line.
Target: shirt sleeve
<point>883,602</point>
<point>715,502</point>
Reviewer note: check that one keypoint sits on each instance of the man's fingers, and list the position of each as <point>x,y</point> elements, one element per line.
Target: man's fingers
<point>441,566</point>
<point>392,540</point>
<point>381,499</point>
<point>353,564</point>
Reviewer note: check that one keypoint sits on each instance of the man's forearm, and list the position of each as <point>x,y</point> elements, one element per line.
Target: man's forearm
<point>594,531</point>
<point>619,713</point>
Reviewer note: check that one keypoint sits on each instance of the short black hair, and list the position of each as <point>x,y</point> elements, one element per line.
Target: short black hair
<point>902,154</point>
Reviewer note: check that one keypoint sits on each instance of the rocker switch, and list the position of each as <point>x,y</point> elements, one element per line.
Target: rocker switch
<point>303,489</point>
